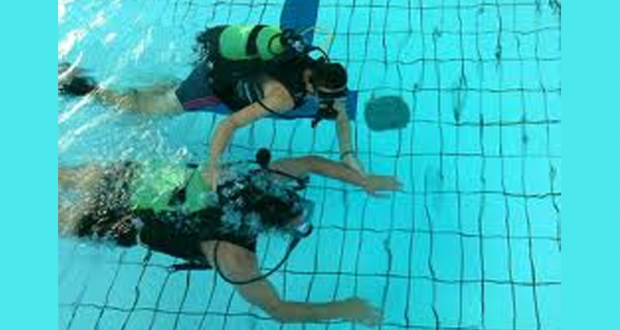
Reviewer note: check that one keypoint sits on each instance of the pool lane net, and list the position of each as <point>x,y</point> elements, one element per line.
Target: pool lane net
<point>473,241</point>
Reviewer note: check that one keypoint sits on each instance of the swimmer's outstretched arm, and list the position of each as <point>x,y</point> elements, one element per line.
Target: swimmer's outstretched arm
<point>276,99</point>
<point>343,129</point>
<point>303,166</point>
<point>223,134</point>
<point>240,264</point>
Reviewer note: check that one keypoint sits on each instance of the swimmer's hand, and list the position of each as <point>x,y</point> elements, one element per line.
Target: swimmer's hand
<point>360,311</point>
<point>353,163</point>
<point>373,184</point>
<point>211,176</point>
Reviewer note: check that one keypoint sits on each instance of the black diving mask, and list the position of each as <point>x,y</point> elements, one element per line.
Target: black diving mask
<point>304,228</point>
<point>326,104</point>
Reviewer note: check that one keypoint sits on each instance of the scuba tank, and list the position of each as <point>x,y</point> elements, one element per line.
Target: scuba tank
<point>240,42</point>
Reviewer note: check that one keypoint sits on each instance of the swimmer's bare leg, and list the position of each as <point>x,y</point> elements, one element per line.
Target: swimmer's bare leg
<point>69,213</point>
<point>158,99</point>
<point>83,178</point>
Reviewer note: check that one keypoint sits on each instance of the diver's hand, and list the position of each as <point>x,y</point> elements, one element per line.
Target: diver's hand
<point>353,163</point>
<point>360,311</point>
<point>211,176</point>
<point>374,184</point>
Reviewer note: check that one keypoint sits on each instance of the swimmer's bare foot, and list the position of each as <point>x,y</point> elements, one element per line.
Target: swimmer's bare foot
<point>73,80</point>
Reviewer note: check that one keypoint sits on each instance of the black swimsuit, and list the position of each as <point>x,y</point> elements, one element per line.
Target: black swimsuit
<point>238,84</point>
<point>181,236</point>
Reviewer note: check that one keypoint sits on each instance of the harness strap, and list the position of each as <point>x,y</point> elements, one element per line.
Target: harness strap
<point>251,47</point>
<point>187,266</point>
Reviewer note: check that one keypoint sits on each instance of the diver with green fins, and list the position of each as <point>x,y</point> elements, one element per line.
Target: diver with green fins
<point>245,73</point>
<point>167,207</point>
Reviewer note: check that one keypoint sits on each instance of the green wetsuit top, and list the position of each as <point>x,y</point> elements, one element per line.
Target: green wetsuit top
<point>157,181</point>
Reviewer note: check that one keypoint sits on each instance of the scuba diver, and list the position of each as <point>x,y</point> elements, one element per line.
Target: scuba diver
<point>256,71</point>
<point>168,208</point>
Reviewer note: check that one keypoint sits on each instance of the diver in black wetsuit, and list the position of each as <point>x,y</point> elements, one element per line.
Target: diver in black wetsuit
<point>235,68</point>
<point>168,208</point>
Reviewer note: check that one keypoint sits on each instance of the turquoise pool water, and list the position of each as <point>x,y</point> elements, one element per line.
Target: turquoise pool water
<point>473,241</point>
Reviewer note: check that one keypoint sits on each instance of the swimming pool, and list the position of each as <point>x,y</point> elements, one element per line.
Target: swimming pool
<point>474,240</point>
